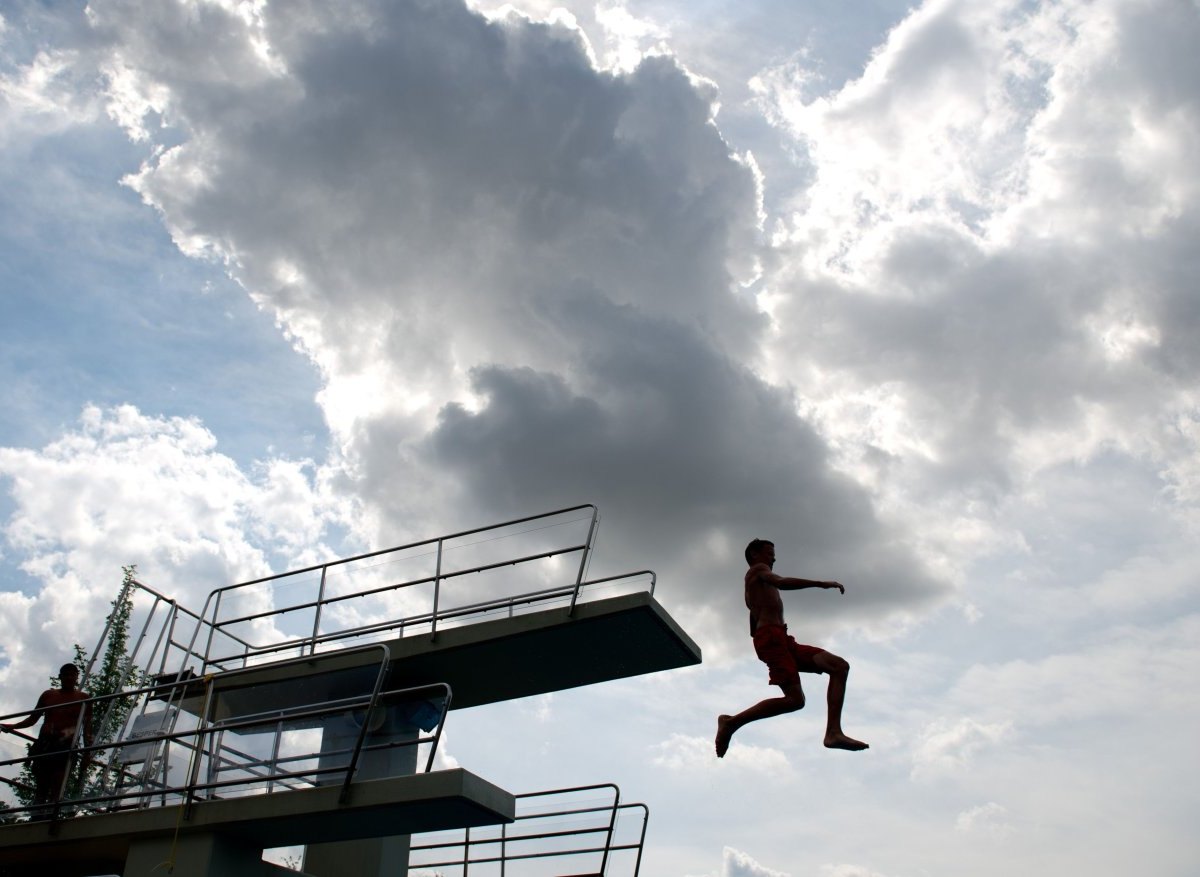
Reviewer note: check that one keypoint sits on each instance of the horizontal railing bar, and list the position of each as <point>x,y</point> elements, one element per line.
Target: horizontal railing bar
<point>586,851</point>
<point>418,544</point>
<point>396,587</point>
<point>179,608</point>
<point>254,779</point>
<point>227,759</point>
<point>515,838</point>
<point>559,591</point>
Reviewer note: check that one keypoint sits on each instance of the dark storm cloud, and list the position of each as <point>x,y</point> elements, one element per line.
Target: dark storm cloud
<point>676,442</point>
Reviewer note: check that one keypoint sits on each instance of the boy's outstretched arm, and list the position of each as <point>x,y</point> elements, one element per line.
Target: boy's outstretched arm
<point>791,583</point>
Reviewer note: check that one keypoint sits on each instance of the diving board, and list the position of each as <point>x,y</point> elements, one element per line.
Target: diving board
<point>490,661</point>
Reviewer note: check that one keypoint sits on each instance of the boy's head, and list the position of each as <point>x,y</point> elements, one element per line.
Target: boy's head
<point>756,547</point>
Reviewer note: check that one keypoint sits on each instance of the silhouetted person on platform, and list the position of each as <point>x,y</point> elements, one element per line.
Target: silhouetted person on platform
<point>784,657</point>
<point>61,711</point>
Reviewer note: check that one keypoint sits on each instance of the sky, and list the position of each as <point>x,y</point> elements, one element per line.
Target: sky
<point>909,289</point>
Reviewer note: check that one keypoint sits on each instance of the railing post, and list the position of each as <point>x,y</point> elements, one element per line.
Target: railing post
<point>437,592</point>
<point>211,630</point>
<point>202,731</point>
<point>612,827</point>
<point>583,561</point>
<point>274,756</point>
<point>312,646</point>
<point>637,865</point>
<point>362,732</point>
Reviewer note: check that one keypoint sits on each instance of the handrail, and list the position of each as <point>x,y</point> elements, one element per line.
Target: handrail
<point>201,746</point>
<point>547,594</point>
<point>551,848</point>
<point>383,589</point>
<point>368,555</point>
<point>219,644</point>
<point>211,613</point>
<point>362,732</point>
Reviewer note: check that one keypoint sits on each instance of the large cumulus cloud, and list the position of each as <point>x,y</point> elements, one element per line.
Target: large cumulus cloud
<point>522,277</point>
<point>123,488</point>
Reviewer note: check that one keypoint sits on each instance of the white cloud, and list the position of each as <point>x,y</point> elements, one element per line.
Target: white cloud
<point>681,753</point>
<point>520,276</point>
<point>735,863</point>
<point>848,871</point>
<point>125,488</point>
<point>44,95</point>
<point>988,820</point>
<point>958,313</point>
<point>947,746</point>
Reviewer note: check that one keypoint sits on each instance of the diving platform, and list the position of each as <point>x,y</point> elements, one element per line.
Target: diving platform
<point>482,663</point>
<point>306,708</point>
<point>103,843</point>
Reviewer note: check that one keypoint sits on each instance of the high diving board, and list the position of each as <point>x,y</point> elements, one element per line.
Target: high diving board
<point>487,661</point>
<point>103,843</point>
<point>547,651</point>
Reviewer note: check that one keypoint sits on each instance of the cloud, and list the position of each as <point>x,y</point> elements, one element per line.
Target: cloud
<point>126,488</point>
<point>948,746</point>
<point>983,280</point>
<point>522,279</point>
<point>958,351</point>
<point>1090,682</point>
<point>989,820</point>
<point>848,871</point>
<point>685,754</point>
<point>735,863</point>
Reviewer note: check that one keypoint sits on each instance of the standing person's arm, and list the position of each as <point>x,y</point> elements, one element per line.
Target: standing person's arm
<point>31,719</point>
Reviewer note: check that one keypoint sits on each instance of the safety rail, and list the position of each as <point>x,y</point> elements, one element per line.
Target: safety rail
<point>369,598</point>
<point>328,589</point>
<point>567,596</point>
<point>248,753</point>
<point>553,830</point>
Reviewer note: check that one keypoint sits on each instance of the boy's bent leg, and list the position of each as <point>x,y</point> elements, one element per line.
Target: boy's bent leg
<point>838,670</point>
<point>792,700</point>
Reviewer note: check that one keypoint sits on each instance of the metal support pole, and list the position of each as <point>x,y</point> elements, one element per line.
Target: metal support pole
<point>312,646</point>
<point>583,561</point>
<point>437,592</point>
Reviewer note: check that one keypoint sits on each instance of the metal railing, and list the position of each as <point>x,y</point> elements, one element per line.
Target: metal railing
<point>240,753</point>
<point>392,603</point>
<point>585,829</point>
<point>416,589</point>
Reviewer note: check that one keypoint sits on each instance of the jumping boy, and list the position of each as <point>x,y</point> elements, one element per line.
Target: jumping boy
<point>784,657</point>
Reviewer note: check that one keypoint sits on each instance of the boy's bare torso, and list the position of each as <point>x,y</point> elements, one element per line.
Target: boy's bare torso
<point>61,714</point>
<point>762,598</point>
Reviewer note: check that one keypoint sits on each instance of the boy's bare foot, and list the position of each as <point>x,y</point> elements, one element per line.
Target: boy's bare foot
<point>841,741</point>
<point>724,734</point>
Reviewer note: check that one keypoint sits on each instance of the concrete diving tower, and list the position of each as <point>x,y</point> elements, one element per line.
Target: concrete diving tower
<point>294,709</point>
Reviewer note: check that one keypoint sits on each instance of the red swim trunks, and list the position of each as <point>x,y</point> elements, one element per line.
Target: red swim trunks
<point>784,657</point>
